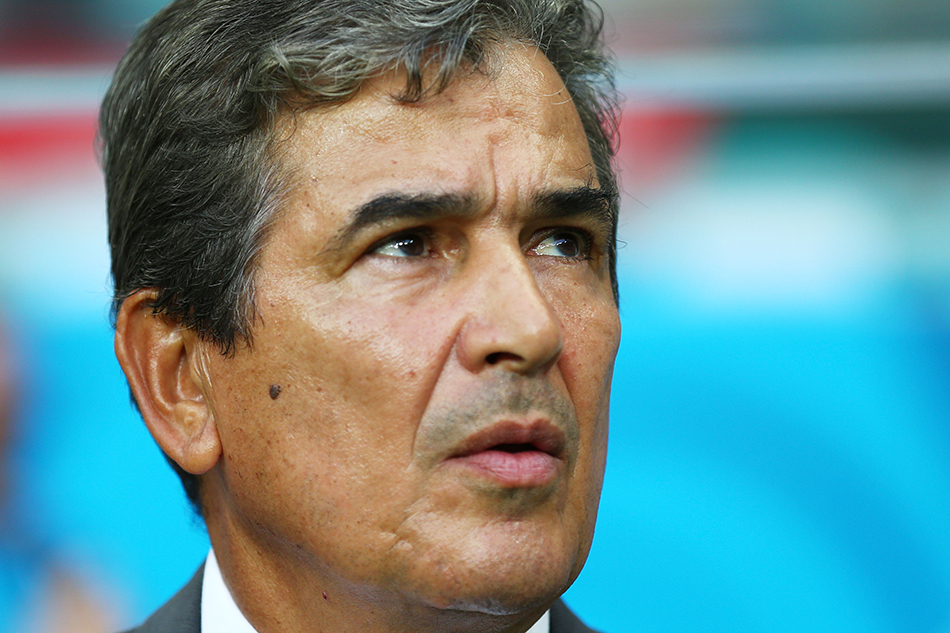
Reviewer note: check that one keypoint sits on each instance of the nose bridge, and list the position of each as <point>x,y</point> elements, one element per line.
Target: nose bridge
<point>510,322</point>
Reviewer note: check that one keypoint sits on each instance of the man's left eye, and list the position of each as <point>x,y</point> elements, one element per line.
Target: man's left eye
<point>568,244</point>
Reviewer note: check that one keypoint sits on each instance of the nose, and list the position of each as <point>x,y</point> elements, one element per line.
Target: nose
<point>510,323</point>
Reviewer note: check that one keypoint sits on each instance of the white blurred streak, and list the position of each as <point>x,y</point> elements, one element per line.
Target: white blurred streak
<point>54,261</point>
<point>766,245</point>
<point>791,77</point>
<point>51,90</point>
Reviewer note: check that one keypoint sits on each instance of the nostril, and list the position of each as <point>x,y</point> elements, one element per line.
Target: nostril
<point>498,357</point>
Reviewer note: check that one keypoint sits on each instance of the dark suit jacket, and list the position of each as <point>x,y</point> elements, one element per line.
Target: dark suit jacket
<point>182,614</point>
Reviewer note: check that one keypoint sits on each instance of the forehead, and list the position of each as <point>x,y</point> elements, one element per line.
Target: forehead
<point>514,124</point>
<point>519,86</point>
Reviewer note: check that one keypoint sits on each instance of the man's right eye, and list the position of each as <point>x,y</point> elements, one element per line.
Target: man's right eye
<point>403,245</point>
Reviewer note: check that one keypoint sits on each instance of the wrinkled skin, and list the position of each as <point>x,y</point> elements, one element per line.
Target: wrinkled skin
<point>339,497</point>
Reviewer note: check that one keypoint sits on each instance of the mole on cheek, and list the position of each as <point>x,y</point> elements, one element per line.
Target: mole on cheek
<point>274,391</point>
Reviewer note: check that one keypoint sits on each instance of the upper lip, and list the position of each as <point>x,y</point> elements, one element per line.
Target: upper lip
<point>540,434</point>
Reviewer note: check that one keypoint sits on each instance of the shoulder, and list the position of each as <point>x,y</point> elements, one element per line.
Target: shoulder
<point>563,620</point>
<point>181,614</point>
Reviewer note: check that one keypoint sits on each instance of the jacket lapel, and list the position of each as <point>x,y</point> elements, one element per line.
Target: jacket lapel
<point>181,614</point>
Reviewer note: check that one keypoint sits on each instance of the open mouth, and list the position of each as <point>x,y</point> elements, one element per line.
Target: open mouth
<point>514,455</point>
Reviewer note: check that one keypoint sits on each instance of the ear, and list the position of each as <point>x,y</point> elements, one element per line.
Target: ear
<point>163,363</point>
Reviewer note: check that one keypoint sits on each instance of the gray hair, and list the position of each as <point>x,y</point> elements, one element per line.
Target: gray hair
<point>188,126</point>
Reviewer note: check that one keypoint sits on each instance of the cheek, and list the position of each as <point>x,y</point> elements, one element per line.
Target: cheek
<point>360,358</point>
<point>591,338</point>
<point>591,330</point>
<point>313,469</point>
<point>387,352</point>
<point>353,382</point>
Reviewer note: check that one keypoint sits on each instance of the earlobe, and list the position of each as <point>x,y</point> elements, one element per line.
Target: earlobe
<point>164,366</point>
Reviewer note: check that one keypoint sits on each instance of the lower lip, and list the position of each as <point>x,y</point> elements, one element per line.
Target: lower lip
<point>517,470</point>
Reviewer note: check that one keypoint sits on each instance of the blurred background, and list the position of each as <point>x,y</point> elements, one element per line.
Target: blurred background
<point>780,456</point>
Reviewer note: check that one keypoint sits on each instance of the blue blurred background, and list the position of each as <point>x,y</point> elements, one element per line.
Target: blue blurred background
<point>780,452</point>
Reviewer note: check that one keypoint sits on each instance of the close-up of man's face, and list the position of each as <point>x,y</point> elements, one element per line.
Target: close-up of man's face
<point>311,313</point>
<point>422,411</point>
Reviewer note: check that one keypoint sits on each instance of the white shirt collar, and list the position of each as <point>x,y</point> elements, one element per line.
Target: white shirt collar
<point>220,614</point>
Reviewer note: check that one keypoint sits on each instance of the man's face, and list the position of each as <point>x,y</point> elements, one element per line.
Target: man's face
<point>422,416</point>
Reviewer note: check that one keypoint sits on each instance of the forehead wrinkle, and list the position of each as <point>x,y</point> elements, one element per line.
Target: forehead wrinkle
<point>375,115</point>
<point>492,91</point>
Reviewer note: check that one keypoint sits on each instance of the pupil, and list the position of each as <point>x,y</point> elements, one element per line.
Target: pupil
<point>410,246</point>
<point>567,246</point>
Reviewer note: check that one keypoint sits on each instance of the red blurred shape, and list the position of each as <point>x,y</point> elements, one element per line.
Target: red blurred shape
<point>33,148</point>
<point>656,144</point>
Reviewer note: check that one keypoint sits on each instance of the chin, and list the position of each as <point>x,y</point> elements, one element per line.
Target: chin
<point>473,559</point>
<point>513,602</point>
<point>527,579</point>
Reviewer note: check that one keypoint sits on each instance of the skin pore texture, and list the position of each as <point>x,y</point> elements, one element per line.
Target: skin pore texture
<point>415,440</point>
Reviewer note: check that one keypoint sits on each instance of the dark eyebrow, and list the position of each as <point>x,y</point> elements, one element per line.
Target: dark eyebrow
<point>393,207</point>
<point>581,202</point>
